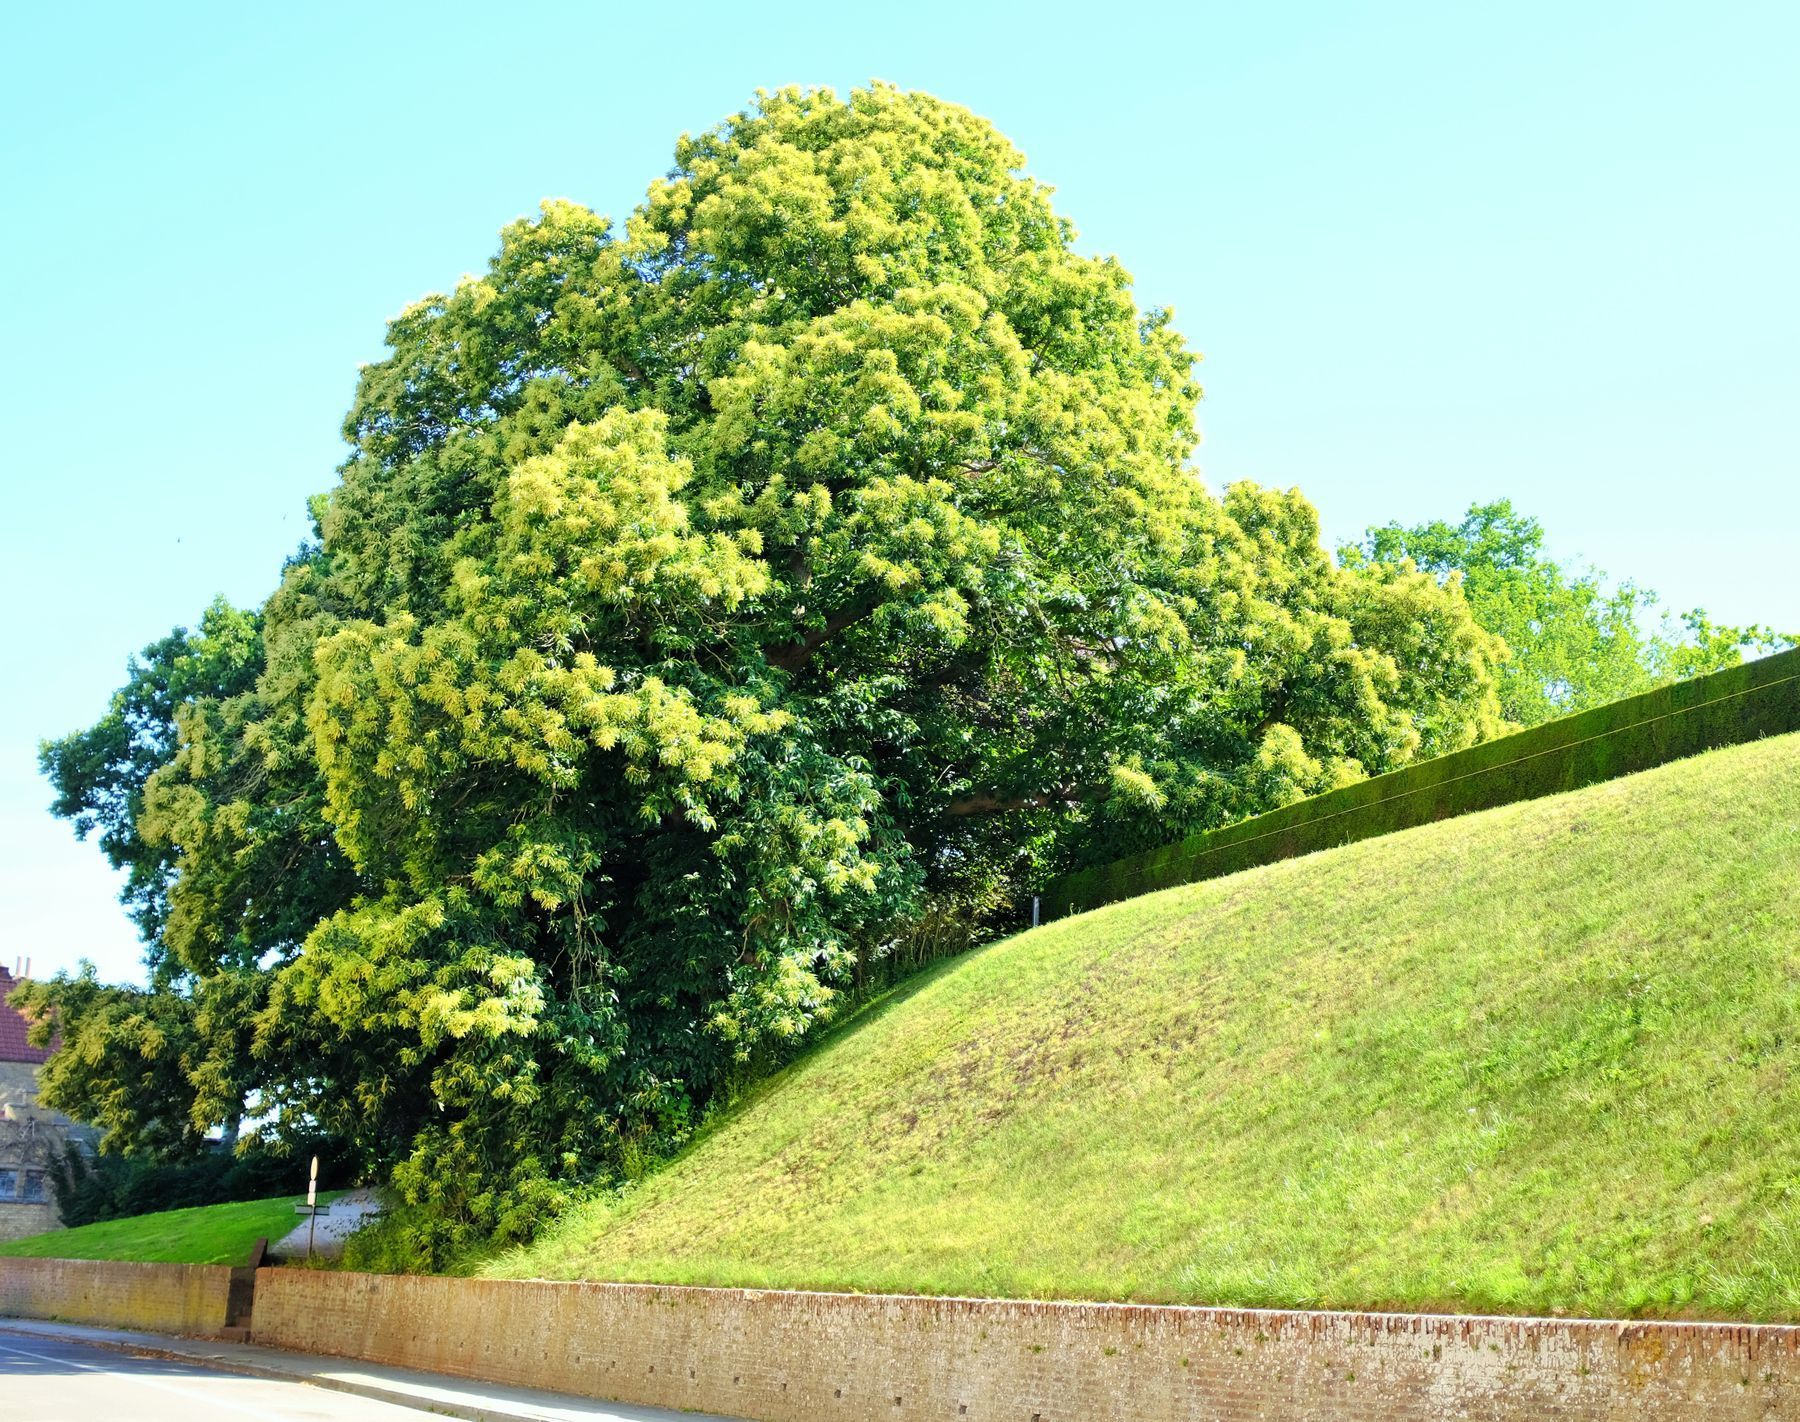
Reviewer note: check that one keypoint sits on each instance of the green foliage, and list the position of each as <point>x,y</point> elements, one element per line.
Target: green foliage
<point>99,774</point>
<point>705,599</point>
<point>1535,1059</point>
<point>123,1062</point>
<point>1741,703</point>
<point>1574,643</point>
<point>408,1240</point>
<point>93,1188</point>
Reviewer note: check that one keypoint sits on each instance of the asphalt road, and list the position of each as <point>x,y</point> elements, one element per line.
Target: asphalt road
<point>50,1380</point>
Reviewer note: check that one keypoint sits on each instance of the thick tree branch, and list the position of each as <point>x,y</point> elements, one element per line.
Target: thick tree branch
<point>1276,712</point>
<point>791,656</point>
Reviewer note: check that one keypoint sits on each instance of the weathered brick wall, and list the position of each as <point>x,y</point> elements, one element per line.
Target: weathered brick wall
<point>158,1298</point>
<point>798,1357</point>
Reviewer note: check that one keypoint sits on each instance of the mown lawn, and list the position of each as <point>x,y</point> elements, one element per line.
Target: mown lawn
<point>1545,1058</point>
<point>206,1234</point>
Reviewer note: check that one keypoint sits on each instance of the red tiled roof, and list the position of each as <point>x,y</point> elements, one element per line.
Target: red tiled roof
<point>13,1045</point>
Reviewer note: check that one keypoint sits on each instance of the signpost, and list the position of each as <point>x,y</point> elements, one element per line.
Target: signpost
<point>312,1209</point>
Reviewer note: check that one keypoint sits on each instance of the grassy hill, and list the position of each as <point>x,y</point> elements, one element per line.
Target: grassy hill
<point>1540,1058</point>
<point>205,1234</point>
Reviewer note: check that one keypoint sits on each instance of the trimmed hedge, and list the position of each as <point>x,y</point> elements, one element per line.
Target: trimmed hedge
<point>1741,703</point>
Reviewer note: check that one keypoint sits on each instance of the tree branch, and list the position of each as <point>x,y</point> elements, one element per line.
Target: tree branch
<point>1276,712</point>
<point>990,802</point>
<point>791,656</point>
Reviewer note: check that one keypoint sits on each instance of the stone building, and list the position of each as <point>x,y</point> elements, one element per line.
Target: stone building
<point>31,1138</point>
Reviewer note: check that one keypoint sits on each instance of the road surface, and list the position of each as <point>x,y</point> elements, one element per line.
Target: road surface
<point>61,1372</point>
<point>52,1380</point>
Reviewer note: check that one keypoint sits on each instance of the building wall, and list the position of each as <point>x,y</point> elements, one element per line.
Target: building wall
<point>18,1084</point>
<point>804,1357</point>
<point>19,1219</point>
<point>30,1138</point>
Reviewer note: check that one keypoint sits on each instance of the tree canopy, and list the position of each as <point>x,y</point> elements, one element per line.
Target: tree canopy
<point>1573,641</point>
<point>703,599</point>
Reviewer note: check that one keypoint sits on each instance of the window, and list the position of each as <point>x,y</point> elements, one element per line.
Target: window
<point>34,1186</point>
<point>9,1183</point>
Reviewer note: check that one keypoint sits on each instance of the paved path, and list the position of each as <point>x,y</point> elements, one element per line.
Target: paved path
<point>52,1372</point>
<point>349,1212</point>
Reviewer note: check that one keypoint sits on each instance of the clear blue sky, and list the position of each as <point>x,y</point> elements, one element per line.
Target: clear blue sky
<point>1433,253</point>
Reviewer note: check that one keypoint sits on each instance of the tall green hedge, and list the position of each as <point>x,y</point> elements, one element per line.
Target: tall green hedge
<point>1742,703</point>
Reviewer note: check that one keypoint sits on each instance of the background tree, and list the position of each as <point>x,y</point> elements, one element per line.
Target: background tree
<point>99,774</point>
<point>1575,642</point>
<point>124,1060</point>
<point>202,782</point>
<point>703,601</point>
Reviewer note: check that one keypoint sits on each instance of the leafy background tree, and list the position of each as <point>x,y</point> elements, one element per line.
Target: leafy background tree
<point>99,774</point>
<point>1574,640</point>
<point>708,601</point>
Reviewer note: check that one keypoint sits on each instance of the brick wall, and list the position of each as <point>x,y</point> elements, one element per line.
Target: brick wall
<point>799,1357</point>
<point>158,1298</point>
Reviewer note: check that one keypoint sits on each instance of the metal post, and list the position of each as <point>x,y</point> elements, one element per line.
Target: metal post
<point>1035,903</point>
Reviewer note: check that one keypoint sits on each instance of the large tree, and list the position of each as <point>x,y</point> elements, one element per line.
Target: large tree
<point>702,597</point>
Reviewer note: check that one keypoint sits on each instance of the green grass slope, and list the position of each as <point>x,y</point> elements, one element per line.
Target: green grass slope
<point>1541,1058</point>
<point>205,1234</point>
